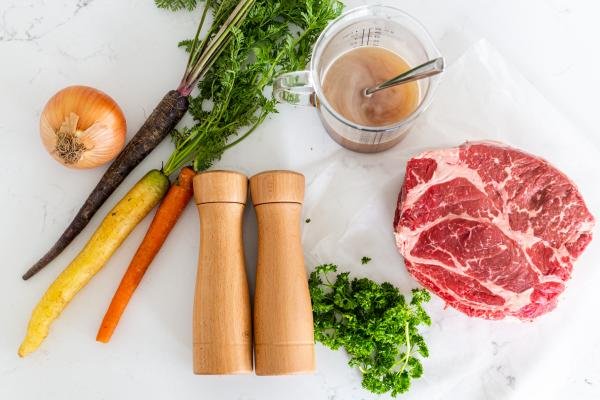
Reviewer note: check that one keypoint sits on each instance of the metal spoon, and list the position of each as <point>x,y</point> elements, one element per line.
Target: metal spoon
<point>430,68</point>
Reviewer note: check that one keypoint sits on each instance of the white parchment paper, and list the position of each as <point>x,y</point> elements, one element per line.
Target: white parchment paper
<point>481,98</point>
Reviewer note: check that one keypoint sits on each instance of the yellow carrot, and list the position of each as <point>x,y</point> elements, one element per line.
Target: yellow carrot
<point>113,230</point>
<point>164,220</point>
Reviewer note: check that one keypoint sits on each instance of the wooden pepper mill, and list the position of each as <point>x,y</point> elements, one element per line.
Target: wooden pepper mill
<point>283,323</point>
<point>222,318</point>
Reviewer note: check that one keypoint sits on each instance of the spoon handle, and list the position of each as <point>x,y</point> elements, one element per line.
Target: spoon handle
<point>430,68</point>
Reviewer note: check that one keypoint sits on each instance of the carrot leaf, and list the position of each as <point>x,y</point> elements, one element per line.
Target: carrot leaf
<point>274,37</point>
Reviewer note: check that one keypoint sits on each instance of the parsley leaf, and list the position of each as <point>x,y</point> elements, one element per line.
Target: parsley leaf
<point>365,260</point>
<point>374,323</point>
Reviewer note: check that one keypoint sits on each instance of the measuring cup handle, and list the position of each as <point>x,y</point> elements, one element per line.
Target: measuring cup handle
<point>295,88</point>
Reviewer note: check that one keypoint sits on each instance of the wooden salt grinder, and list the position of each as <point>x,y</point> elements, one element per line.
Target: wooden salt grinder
<point>222,319</point>
<point>283,323</point>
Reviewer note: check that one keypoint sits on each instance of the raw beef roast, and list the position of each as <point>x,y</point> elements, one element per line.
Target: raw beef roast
<point>490,229</point>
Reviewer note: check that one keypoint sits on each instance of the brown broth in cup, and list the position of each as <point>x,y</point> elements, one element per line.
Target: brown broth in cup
<point>354,71</point>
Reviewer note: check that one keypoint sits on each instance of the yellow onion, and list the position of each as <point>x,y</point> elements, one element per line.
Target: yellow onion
<point>82,127</point>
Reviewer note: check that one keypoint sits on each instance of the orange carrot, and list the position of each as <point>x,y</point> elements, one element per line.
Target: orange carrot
<point>164,220</point>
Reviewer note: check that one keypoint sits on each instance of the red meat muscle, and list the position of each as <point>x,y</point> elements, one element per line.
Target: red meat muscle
<point>490,229</point>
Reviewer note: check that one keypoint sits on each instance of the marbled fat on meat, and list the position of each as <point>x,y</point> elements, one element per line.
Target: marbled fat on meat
<point>490,229</point>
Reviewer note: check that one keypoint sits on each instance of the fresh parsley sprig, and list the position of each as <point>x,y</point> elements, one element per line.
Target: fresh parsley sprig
<point>374,323</point>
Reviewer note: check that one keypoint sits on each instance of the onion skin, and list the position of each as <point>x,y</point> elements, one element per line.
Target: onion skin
<point>157,127</point>
<point>100,126</point>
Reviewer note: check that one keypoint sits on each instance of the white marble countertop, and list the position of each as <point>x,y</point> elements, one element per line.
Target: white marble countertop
<point>128,49</point>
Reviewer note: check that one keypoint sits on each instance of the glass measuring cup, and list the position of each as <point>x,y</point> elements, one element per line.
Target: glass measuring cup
<point>378,26</point>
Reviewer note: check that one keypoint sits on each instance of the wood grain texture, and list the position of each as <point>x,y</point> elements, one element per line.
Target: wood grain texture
<point>283,324</point>
<point>277,187</point>
<point>222,317</point>
<point>221,187</point>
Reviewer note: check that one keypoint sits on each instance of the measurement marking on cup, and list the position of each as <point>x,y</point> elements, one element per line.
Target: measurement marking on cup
<point>368,36</point>
<point>362,39</point>
<point>376,36</point>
